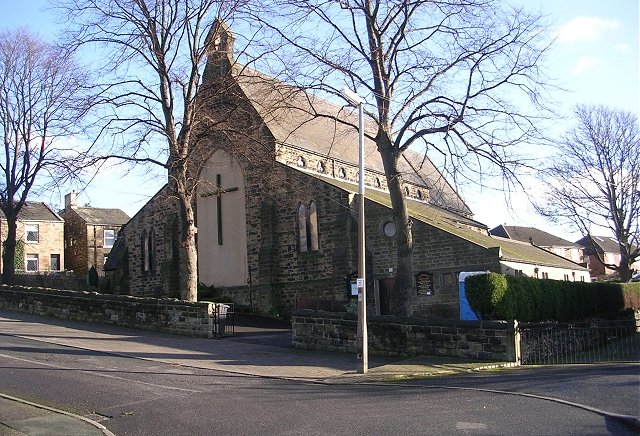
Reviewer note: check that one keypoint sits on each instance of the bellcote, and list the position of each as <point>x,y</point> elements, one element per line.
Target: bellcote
<point>219,49</point>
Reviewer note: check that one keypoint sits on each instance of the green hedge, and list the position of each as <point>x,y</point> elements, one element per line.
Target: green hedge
<point>495,296</point>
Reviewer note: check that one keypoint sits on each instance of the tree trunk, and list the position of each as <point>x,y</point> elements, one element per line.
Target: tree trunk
<point>624,270</point>
<point>188,251</point>
<point>9,252</point>
<point>189,254</point>
<point>403,290</point>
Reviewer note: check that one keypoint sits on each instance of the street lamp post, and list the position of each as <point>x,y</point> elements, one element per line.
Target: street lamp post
<point>363,348</point>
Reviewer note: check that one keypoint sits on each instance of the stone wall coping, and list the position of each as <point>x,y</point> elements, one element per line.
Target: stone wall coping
<point>413,320</point>
<point>98,296</point>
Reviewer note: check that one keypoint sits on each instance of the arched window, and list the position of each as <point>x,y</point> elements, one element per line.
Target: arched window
<point>151,250</point>
<point>307,227</point>
<point>341,173</point>
<point>147,250</point>
<point>144,251</point>
<point>419,194</point>
<point>312,227</point>
<point>301,162</point>
<point>301,223</point>
<point>377,183</point>
<point>320,167</point>
<point>406,191</point>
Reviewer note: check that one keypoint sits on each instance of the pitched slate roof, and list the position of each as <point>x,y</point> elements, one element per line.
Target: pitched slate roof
<point>601,244</point>
<point>511,250</point>
<point>303,120</point>
<point>100,216</point>
<point>531,234</point>
<point>37,211</point>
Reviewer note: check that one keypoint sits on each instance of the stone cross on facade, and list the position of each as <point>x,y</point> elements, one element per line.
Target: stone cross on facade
<point>218,191</point>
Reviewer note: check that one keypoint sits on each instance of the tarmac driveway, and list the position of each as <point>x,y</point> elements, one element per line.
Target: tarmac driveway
<point>255,329</point>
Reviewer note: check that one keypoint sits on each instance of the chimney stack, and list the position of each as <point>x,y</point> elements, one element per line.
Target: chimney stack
<point>71,200</point>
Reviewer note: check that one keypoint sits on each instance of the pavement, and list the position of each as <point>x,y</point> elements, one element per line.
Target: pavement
<point>255,347</point>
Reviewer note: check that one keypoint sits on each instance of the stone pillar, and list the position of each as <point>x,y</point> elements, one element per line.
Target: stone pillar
<point>513,343</point>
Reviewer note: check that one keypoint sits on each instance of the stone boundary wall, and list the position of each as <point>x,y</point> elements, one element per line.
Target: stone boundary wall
<point>402,337</point>
<point>52,280</point>
<point>166,315</point>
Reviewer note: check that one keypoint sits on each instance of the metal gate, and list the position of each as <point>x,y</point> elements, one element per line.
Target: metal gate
<point>579,342</point>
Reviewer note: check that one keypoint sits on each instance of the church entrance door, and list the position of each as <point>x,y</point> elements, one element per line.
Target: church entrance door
<point>385,288</point>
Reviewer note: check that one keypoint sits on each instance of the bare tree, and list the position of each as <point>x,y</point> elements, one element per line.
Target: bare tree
<point>594,180</point>
<point>42,99</point>
<point>155,53</point>
<point>459,80</point>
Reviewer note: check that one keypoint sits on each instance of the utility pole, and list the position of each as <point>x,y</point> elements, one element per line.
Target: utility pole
<point>363,346</point>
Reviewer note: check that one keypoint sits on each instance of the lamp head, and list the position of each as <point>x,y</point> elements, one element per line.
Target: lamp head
<point>352,96</point>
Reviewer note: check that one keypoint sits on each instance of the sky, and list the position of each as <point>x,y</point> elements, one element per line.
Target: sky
<point>594,59</point>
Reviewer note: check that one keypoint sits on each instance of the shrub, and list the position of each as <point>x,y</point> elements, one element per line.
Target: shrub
<point>494,296</point>
<point>484,292</point>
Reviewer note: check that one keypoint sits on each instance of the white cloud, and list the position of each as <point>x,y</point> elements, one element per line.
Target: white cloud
<point>622,48</point>
<point>585,29</point>
<point>585,63</point>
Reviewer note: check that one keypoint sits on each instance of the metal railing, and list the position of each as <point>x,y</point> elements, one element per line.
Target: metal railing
<point>579,342</point>
<point>224,323</point>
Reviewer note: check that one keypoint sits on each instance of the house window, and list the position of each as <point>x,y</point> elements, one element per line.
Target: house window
<point>419,194</point>
<point>406,191</point>
<point>377,183</point>
<point>518,273</point>
<point>545,275</point>
<point>301,162</point>
<point>31,263</point>
<point>320,167</point>
<point>55,262</point>
<point>341,173</point>
<point>566,277</point>
<point>32,233</point>
<point>109,238</point>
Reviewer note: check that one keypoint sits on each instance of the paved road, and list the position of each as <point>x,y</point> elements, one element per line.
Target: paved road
<point>139,397</point>
<point>183,385</point>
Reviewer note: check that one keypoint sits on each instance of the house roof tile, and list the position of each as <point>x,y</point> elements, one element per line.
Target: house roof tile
<point>602,244</point>
<point>532,235</point>
<point>37,211</point>
<point>101,216</point>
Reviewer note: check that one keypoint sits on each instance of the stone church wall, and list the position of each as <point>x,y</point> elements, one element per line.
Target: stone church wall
<point>279,272</point>
<point>160,218</point>
<point>435,252</point>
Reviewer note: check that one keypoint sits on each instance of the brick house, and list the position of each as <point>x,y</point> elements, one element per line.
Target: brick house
<point>89,235</point>
<point>42,231</point>
<point>600,251</point>
<point>276,213</point>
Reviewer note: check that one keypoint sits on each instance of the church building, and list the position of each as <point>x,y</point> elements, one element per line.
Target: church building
<point>277,212</point>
